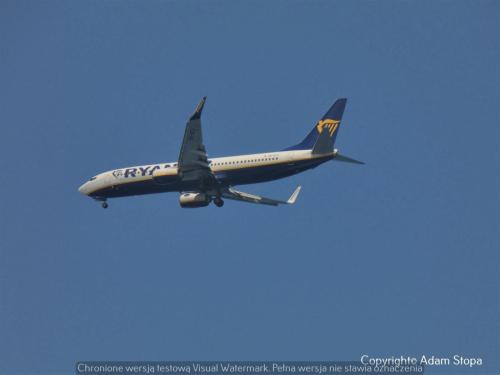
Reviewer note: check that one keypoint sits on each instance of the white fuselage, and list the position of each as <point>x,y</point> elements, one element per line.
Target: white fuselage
<point>255,164</point>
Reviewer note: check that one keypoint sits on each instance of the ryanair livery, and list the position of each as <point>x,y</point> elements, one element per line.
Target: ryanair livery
<point>200,180</point>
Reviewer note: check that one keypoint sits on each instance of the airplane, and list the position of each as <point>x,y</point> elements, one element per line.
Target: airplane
<point>201,180</point>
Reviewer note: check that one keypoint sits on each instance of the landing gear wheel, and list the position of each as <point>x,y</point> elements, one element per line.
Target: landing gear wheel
<point>218,202</point>
<point>104,205</point>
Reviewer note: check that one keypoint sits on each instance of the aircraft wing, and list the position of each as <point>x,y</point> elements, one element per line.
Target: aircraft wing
<point>231,193</point>
<point>193,163</point>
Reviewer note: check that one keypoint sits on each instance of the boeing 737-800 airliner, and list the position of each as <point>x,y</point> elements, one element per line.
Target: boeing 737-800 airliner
<point>201,180</point>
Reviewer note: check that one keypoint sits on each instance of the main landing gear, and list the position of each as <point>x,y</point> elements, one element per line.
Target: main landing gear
<point>218,202</point>
<point>104,205</point>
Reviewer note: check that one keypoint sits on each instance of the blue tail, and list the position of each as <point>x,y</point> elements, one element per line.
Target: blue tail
<point>330,121</point>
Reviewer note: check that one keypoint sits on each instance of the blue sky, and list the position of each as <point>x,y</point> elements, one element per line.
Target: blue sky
<point>400,256</point>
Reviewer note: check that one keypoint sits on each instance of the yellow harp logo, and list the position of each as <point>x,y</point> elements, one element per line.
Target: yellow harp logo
<point>331,125</point>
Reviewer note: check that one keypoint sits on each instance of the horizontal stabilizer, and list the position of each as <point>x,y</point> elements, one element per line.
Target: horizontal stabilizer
<point>346,159</point>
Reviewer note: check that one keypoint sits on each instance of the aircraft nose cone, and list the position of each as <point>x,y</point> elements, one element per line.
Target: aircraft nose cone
<point>84,189</point>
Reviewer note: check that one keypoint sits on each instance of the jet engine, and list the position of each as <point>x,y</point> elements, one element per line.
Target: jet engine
<point>192,200</point>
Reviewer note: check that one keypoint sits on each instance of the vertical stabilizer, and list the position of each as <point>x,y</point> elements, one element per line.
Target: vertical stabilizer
<point>329,124</point>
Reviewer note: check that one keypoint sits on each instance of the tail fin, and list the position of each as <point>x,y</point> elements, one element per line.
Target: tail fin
<point>329,122</point>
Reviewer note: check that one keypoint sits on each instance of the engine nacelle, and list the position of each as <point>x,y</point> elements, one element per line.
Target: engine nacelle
<point>192,200</point>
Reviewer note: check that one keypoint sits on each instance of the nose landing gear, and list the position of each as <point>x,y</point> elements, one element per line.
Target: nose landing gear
<point>104,204</point>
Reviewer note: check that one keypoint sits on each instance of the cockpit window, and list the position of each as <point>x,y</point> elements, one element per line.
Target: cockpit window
<point>92,178</point>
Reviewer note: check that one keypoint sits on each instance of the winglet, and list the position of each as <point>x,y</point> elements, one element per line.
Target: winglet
<point>199,109</point>
<point>294,195</point>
